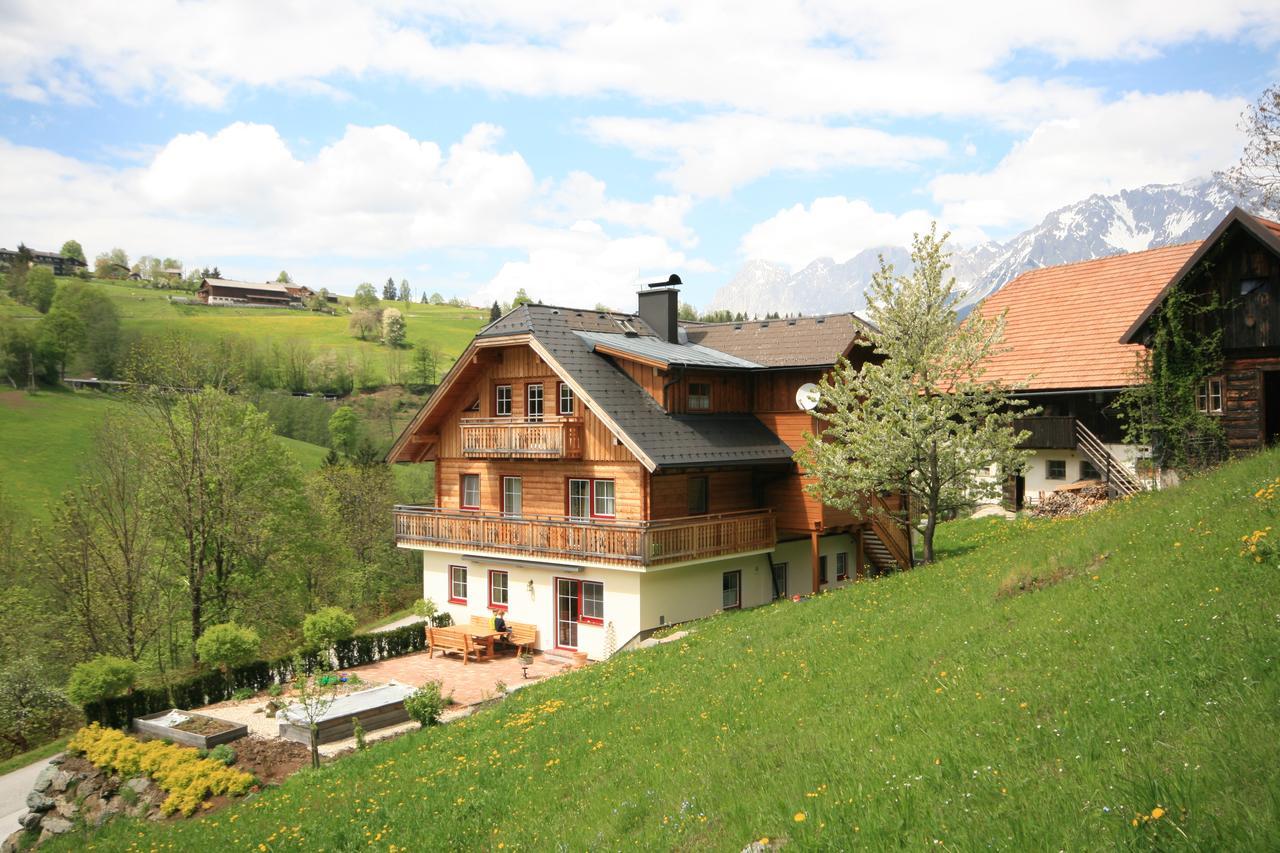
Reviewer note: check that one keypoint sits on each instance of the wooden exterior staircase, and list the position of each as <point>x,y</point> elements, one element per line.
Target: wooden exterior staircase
<point>1121,481</point>
<point>885,544</point>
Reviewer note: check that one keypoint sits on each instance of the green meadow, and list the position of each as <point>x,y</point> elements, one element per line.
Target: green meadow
<point>1108,682</point>
<point>46,437</point>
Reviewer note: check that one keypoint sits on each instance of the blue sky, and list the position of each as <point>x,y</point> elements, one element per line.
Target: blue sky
<point>475,148</point>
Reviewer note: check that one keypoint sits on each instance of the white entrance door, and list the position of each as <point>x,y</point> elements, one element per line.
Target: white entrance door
<point>568,597</point>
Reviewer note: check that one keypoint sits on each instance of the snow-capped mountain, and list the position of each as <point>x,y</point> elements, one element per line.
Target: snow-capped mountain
<point>1129,221</point>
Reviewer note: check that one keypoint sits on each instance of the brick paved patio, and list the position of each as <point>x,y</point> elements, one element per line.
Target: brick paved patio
<point>474,682</point>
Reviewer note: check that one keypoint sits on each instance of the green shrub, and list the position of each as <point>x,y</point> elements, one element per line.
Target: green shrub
<point>101,678</point>
<point>275,690</point>
<point>228,645</point>
<point>31,712</point>
<point>425,608</point>
<point>242,693</point>
<point>328,626</point>
<point>358,731</point>
<point>426,704</point>
<point>224,753</point>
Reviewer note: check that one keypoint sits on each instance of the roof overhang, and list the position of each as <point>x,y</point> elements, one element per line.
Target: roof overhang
<point>1237,216</point>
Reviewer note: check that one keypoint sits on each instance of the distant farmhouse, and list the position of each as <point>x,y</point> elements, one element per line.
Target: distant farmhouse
<point>271,294</point>
<point>60,264</point>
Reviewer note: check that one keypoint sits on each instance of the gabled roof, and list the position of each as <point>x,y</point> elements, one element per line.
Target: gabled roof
<point>1064,323</point>
<point>1267,232</point>
<point>798,342</point>
<point>566,339</point>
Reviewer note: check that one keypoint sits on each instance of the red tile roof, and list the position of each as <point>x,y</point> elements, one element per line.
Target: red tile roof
<point>1063,324</point>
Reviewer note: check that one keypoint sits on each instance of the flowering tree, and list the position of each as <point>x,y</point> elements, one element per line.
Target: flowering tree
<point>919,417</point>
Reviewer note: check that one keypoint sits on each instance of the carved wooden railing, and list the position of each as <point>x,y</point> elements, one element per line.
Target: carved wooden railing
<point>557,537</point>
<point>553,438</point>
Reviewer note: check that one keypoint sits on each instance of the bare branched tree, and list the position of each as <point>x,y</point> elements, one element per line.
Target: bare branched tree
<point>1259,166</point>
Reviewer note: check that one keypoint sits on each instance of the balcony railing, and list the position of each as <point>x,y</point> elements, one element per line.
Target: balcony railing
<point>1048,432</point>
<point>553,438</point>
<point>647,543</point>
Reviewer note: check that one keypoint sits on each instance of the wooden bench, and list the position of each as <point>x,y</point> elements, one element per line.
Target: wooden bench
<point>481,622</point>
<point>523,636</point>
<point>449,640</point>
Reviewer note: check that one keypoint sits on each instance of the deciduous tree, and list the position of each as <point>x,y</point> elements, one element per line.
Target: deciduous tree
<point>918,417</point>
<point>72,249</point>
<point>1259,166</point>
<point>366,297</point>
<point>393,328</point>
<point>40,288</point>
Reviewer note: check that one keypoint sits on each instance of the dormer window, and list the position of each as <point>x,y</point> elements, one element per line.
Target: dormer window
<point>699,396</point>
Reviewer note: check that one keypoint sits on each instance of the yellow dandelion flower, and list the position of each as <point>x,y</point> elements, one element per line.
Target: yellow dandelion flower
<point>800,816</point>
<point>1157,813</point>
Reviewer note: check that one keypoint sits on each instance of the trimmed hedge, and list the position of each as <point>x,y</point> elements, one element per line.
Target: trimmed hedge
<point>207,688</point>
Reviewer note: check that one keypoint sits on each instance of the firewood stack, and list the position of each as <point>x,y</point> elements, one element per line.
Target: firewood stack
<point>1071,501</point>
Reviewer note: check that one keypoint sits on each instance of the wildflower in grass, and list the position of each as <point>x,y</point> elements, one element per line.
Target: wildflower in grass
<point>800,817</point>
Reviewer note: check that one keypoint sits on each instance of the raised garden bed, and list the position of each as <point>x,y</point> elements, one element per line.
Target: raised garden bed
<point>377,708</point>
<point>198,730</point>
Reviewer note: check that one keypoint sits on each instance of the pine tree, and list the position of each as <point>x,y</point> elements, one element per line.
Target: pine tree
<point>495,311</point>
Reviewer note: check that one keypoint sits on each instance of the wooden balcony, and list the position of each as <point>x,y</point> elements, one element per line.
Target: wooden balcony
<point>639,543</point>
<point>1048,432</point>
<point>507,438</point>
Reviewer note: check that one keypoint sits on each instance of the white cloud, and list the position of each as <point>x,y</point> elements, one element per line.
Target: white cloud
<point>713,155</point>
<point>1140,139</point>
<point>794,59</point>
<point>581,196</point>
<point>583,266</point>
<point>833,227</point>
<point>374,196</point>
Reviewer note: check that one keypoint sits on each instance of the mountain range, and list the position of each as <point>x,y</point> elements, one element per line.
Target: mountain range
<point>1129,221</point>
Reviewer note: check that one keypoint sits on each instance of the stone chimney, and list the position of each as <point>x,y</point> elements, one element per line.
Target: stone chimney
<point>660,307</point>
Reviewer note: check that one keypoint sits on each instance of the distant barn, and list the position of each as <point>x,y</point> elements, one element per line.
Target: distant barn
<point>221,291</point>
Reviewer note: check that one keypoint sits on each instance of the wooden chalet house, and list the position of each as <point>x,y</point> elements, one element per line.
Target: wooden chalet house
<point>1074,338</point>
<point>61,265</point>
<point>1239,263</point>
<point>601,475</point>
<point>269,294</point>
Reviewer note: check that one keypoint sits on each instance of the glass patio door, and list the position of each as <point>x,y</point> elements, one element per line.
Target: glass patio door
<point>567,599</point>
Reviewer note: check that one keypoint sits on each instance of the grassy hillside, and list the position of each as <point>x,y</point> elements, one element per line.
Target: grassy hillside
<point>144,310</point>
<point>1108,682</point>
<point>47,436</point>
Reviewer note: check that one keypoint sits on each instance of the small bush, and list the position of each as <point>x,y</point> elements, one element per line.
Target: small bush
<point>101,678</point>
<point>242,693</point>
<point>425,608</point>
<point>275,690</point>
<point>358,731</point>
<point>426,704</point>
<point>180,771</point>
<point>224,753</point>
<point>328,626</point>
<point>228,645</point>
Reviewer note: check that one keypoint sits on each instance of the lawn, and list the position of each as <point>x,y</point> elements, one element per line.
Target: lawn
<point>47,436</point>
<point>145,310</point>
<point>1108,682</point>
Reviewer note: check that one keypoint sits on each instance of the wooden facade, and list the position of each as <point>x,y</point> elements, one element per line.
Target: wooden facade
<point>1242,272</point>
<point>502,425</point>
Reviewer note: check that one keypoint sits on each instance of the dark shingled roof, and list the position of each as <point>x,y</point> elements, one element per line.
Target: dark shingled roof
<point>668,440</point>
<point>799,342</point>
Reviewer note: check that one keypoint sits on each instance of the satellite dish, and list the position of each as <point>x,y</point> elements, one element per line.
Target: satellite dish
<point>807,396</point>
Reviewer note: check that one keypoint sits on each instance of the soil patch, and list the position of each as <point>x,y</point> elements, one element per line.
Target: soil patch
<point>202,725</point>
<point>271,760</point>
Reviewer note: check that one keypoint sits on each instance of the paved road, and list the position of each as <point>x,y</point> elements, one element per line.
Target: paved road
<point>399,623</point>
<point>14,788</point>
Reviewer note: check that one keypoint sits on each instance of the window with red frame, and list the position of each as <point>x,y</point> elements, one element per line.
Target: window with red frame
<point>592,609</point>
<point>498,589</point>
<point>566,400</point>
<point>603,503</point>
<point>470,491</point>
<point>457,584</point>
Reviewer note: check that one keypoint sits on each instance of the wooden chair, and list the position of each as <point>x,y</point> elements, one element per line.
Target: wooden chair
<point>448,640</point>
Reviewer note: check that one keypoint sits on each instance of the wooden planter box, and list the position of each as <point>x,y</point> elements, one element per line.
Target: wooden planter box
<point>150,727</point>
<point>377,708</point>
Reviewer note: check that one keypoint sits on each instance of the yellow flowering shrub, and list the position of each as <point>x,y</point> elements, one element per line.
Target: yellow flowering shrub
<point>180,771</point>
